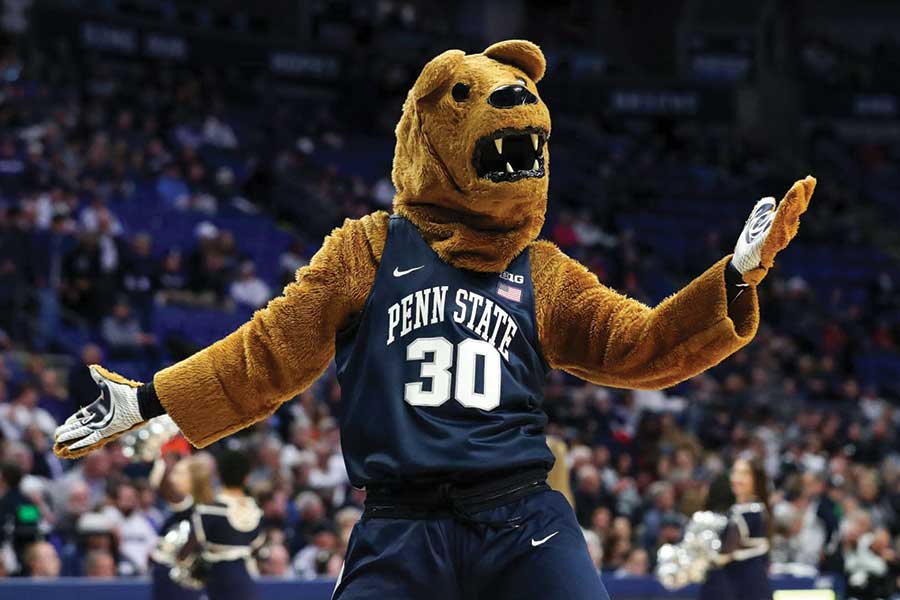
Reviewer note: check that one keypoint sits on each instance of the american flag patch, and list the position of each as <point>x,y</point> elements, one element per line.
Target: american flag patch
<point>509,292</point>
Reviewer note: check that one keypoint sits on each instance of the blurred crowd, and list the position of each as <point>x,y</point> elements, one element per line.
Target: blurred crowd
<point>82,146</point>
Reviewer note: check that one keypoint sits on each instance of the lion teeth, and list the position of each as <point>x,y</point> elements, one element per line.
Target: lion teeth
<point>499,143</point>
<point>536,165</point>
<point>534,140</point>
<point>509,168</point>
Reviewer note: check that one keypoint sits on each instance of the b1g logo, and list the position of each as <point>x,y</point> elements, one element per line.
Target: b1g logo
<point>520,279</point>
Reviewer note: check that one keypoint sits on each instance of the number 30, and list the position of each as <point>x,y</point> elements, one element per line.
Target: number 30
<point>438,371</point>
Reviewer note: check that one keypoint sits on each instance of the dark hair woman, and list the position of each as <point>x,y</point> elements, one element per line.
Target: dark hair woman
<point>745,543</point>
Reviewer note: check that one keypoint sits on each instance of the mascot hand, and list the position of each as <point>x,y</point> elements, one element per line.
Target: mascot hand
<point>113,413</point>
<point>769,229</point>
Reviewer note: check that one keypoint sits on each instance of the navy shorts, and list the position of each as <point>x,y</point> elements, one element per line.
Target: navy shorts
<point>443,559</point>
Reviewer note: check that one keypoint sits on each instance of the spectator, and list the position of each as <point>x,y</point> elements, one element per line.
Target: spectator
<point>589,493</point>
<point>12,167</point>
<point>45,466</point>
<point>313,520</point>
<point>329,474</point>
<point>636,565</point>
<point>98,217</point>
<point>199,199</point>
<point>123,334</point>
<point>95,532</point>
<point>137,533</point>
<point>208,274</point>
<point>48,250</point>
<point>274,561</point>
<point>595,548</point>
<point>661,515</point>
<point>93,470</point>
<point>54,398</point>
<point>312,561</point>
<point>248,289</point>
<point>226,245</point>
<point>170,186</point>
<point>23,412</point>
<point>42,561</point>
<point>77,503</point>
<point>99,564</point>
<point>172,280</point>
<point>274,505</point>
<point>138,277</point>
<point>19,517</point>
<point>821,513</point>
<point>865,567</point>
<point>81,276</point>
<point>219,133</point>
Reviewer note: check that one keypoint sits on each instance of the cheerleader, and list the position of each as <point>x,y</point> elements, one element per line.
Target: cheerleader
<point>719,499</point>
<point>181,484</point>
<point>226,534</point>
<point>745,543</point>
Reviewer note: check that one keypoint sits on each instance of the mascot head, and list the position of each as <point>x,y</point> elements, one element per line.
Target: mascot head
<point>471,162</point>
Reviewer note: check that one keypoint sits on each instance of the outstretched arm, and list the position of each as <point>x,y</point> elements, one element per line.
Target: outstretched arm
<point>604,337</point>
<point>284,348</point>
<point>244,377</point>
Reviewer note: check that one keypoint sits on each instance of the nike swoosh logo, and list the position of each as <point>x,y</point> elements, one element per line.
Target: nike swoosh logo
<point>399,273</point>
<point>535,543</point>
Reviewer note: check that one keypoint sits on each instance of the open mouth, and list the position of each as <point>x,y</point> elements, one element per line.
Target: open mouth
<point>510,154</point>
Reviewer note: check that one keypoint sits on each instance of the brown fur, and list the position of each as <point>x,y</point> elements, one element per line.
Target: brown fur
<point>284,348</point>
<point>598,334</point>
<point>584,327</point>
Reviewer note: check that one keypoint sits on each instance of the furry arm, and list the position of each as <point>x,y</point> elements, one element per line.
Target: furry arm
<point>597,334</point>
<point>242,378</point>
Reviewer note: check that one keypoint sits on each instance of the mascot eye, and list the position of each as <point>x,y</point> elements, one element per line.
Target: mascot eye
<point>460,92</point>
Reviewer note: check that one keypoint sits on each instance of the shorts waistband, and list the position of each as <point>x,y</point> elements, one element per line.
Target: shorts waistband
<point>457,500</point>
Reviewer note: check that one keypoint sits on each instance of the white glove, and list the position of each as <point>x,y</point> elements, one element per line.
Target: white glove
<point>748,251</point>
<point>115,411</point>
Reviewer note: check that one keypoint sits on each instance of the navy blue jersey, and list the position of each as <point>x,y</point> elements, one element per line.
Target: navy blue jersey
<point>747,545</point>
<point>229,533</point>
<point>228,528</point>
<point>441,375</point>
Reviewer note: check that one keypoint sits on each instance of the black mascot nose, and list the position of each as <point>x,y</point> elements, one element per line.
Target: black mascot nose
<point>511,95</point>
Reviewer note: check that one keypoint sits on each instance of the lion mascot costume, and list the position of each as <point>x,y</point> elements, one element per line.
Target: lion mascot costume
<point>444,318</point>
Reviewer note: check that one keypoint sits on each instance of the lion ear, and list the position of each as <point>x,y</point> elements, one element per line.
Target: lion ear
<point>437,71</point>
<point>519,53</point>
